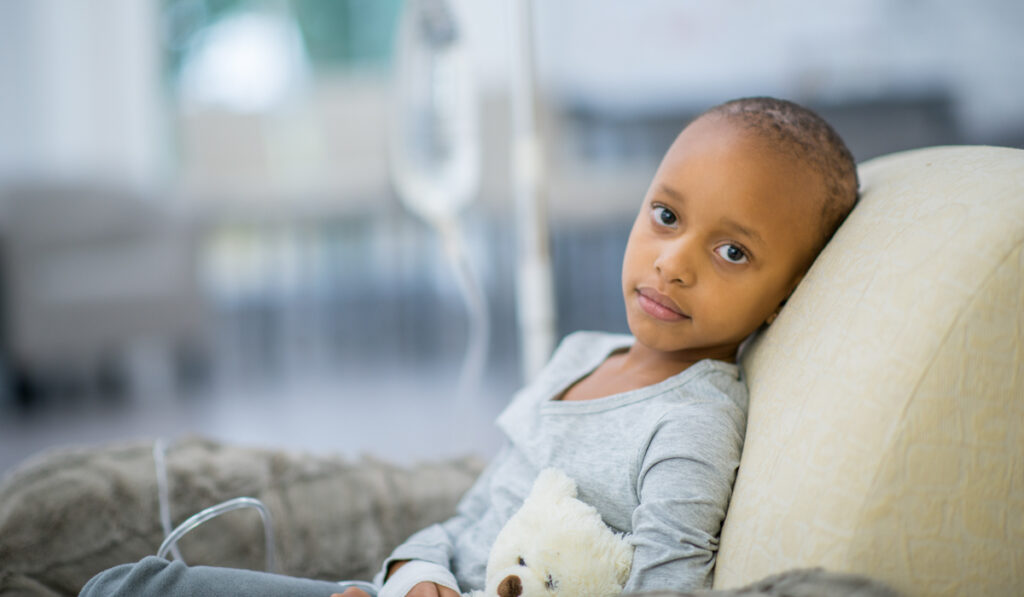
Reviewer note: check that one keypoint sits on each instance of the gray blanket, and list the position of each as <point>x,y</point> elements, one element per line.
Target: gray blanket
<point>68,514</point>
<point>800,583</point>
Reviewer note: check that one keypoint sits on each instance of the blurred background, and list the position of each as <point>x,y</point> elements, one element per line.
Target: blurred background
<point>199,231</point>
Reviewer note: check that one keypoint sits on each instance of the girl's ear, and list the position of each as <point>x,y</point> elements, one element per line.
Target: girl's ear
<point>792,287</point>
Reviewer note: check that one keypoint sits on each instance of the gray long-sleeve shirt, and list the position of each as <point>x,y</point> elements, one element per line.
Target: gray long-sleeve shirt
<point>657,463</point>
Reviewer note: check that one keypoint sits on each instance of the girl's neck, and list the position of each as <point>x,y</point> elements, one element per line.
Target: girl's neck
<point>631,369</point>
<point>659,364</point>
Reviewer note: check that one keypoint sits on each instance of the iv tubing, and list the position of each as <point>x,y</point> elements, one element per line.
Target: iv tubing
<point>163,495</point>
<point>472,291</point>
<point>215,511</point>
<point>173,536</point>
<point>435,155</point>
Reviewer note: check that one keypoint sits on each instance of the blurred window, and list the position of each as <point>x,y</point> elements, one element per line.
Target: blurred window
<point>336,34</point>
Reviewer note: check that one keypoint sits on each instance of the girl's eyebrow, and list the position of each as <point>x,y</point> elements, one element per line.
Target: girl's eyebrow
<point>726,222</point>
<point>743,230</point>
<point>672,193</point>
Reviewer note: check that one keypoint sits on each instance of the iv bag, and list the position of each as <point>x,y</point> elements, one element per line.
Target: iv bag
<point>435,148</point>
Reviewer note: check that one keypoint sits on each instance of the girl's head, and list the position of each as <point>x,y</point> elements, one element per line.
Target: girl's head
<point>808,138</point>
<point>742,203</point>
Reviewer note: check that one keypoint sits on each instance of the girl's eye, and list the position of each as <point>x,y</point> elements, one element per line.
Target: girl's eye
<point>664,216</point>
<point>732,254</point>
<point>522,562</point>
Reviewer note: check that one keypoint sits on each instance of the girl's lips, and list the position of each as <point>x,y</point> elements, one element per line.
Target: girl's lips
<point>658,305</point>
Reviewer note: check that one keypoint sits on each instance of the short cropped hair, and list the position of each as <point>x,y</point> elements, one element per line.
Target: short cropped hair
<point>809,138</point>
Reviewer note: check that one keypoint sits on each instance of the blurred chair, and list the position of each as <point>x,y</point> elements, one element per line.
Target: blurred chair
<point>101,290</point>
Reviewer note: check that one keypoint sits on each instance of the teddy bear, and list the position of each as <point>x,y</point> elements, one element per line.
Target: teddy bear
<point>556,545</point>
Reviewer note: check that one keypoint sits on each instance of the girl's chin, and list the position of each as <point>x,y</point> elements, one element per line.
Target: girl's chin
<point>665,341</point>
<point>659,340</point>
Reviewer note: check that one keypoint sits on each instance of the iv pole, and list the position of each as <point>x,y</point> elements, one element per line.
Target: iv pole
<point>534,285</point>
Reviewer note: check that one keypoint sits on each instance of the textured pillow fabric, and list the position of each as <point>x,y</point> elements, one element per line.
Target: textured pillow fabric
<point>884,435</point>
<point>69,514</point>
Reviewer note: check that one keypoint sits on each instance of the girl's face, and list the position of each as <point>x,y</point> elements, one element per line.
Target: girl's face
<point>725,233</point>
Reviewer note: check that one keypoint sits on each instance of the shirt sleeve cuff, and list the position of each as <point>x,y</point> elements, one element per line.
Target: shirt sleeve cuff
<point>415,572</point>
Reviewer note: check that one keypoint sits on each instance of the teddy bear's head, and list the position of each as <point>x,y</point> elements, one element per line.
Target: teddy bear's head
<point>557,545</point>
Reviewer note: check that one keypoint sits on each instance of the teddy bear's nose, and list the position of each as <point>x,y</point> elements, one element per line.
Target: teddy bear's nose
<point>511,586</point>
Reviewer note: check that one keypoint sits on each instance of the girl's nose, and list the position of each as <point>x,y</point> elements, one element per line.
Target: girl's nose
<point>675,262</point>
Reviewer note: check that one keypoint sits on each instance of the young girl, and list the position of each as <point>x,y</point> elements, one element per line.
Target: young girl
<point>649,425</point>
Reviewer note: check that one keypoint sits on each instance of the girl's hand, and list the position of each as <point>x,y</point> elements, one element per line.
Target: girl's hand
<point>429,589</point>
<point>423,589</point>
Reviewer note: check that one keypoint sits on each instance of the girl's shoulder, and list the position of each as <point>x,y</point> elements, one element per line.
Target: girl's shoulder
<point>709,389</point>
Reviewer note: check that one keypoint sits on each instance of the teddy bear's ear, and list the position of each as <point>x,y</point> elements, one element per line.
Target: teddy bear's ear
<point>552,483</point>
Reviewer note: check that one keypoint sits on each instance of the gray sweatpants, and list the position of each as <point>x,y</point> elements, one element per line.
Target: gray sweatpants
<point>160,578</point>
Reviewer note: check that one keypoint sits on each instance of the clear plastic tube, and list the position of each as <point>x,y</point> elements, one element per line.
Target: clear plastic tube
<point>215,511</point>
<point>434,146</point>
<point>473,294</point>
<point>171,537</point>
<point>435,152</point>
<point>163,494</point>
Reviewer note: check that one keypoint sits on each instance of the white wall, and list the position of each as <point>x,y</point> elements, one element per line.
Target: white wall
<point>663,54</point>
<point>80,92</point>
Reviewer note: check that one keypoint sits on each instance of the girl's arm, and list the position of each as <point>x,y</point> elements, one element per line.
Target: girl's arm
<point>684,484</point>
<point>436,543</point>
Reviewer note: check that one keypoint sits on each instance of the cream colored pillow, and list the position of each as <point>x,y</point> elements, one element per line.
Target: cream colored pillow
<point>885,433</point>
